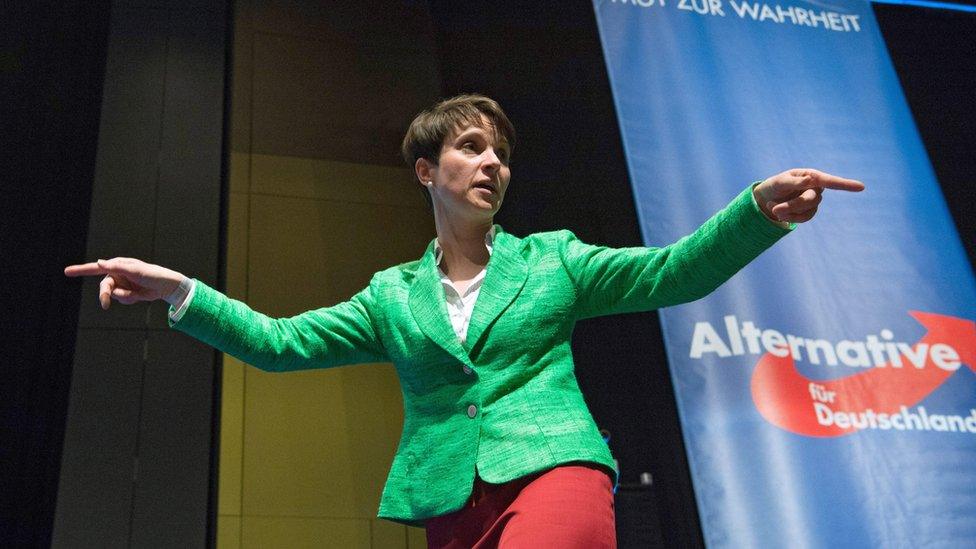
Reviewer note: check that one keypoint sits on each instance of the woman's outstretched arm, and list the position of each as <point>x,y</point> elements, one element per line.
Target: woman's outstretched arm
<point>331,336</point>
<point>622,280</point>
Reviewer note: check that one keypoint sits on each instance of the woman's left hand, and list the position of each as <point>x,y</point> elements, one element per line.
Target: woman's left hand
<point>794,195</point>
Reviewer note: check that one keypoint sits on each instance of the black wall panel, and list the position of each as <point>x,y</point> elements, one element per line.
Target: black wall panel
<point>171,488</point>
<point>124,191</point>
<point>101,436</point>
<point>156,196</point>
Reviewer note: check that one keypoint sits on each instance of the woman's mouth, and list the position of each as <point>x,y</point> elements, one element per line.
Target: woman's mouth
<point>486,186</point>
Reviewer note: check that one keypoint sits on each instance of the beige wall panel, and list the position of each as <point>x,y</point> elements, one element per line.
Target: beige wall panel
<point>332,180</point>
<point>302,533</point>
<point>416,538</point>
<point>374,422</point>
<point>239,173</point>
<point>228,532</point>
<point>231,437</point>
<point>400,25</point>
<point>306,253</point>
<point>297,460</point>
<point>325,99</point>
<point>319,443</point>
<point>237,214</point>
<point>388,534</point>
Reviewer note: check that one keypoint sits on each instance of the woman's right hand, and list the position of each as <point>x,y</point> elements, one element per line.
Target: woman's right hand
<point>129,280</point>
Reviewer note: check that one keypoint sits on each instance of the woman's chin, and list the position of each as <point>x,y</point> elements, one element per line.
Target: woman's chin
<point>487,201</point>
<point>476,209</point>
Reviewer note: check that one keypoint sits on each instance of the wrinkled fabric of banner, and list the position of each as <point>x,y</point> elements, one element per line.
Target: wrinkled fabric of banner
<point>827,392</point>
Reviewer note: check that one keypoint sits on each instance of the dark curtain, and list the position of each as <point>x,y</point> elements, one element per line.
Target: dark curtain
<point>51,66</point>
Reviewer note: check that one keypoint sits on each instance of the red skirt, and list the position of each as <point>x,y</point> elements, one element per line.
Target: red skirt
<point>566,507</point>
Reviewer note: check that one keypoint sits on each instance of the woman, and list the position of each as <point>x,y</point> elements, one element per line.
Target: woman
<point>498,447</point>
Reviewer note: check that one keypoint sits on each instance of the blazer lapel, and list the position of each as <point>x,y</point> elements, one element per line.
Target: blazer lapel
<point>504,279</point>
<point>427,304</point>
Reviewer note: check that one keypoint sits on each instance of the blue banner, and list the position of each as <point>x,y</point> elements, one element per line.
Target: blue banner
<point>827,392</point>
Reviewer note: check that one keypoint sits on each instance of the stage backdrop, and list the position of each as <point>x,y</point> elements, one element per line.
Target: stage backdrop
<point>827,392</point>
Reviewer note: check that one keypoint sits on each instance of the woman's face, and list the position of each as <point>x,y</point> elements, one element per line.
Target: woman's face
<point>471,177</point>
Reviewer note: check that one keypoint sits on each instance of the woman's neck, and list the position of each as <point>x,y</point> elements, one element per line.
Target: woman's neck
<point>463,247</point>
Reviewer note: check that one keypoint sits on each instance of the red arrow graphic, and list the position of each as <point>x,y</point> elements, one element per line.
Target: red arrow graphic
<point>783,395</point>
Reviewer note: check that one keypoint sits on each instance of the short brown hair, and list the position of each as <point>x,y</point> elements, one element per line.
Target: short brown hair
<point>427,132</point>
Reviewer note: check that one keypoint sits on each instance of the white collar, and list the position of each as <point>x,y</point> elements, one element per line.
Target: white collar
<point>489,243</point>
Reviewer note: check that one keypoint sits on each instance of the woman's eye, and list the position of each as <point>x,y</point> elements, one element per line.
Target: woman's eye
<point>468,145</point>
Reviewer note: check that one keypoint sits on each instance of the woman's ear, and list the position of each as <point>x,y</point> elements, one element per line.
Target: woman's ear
<point>423,168</point>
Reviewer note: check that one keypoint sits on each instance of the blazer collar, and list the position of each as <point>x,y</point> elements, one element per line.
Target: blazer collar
<point>505,276</point>
<point>504,279</point>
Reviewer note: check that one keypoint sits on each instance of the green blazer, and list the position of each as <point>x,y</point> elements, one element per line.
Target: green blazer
<point>505,402</point>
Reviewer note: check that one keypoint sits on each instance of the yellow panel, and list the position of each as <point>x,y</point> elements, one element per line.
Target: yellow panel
<point>231,437</point>
<point>328,179</point>
<point>319,443</point>
<point>388,535</point>
<point>306,253</point>
<point>296,458</point>
<point>416,538</point>
<point>299,533</point>
<point>237,246</point>
<point>239,172</point>
<point>228,532</point>
<point>374,419</point>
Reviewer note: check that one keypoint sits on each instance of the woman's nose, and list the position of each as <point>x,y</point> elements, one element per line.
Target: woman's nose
<point>491,159</point>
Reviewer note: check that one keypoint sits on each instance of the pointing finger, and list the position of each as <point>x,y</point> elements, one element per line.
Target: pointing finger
<point>84,269</point>
<point>123,267</point>
<point>110,264</point>
<point>825,180</point>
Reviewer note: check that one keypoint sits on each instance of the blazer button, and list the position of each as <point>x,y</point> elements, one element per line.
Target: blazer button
<point>472,411</point>
<point>466,369</point>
